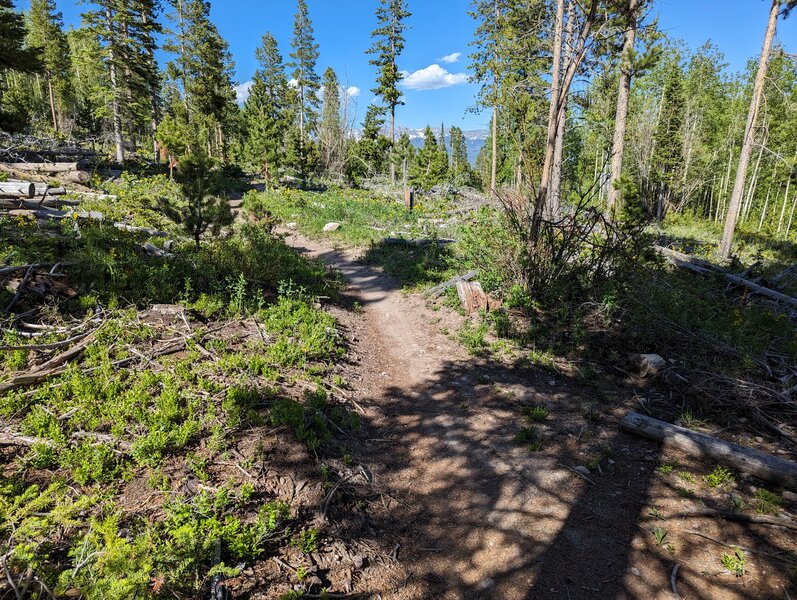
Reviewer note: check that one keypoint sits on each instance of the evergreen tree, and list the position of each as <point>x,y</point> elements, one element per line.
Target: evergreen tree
<point>89,81</point>
<point>430,166</point>
<point>330,135</point>
<point>387,46</point>
<point>47,37</point>
<point>668,139</point>
<point>202,71</point>
<point>201,206</point>
<point>266,110</point>
<point>459,167</point>
<point>368,155</point>
<point>403,154</point>
<point>306,83</point>
<point>13,53</point>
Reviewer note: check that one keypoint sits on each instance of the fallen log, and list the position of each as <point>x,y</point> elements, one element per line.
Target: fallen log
<point>20,189</point>
<point>49,213</point>
<point>134,229</point>
<point>11,438</point>
<point>439,289</point>
<point>60,167</point>
<point>420,243</point>
<point>20,203</point>
<point>704,267</point>
<point>764,466</point>
<point>44,177</point>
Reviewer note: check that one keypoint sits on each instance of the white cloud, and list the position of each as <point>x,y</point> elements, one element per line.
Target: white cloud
<point>292,82</point>
<point>451,58</point>
<point>432,77</point>
<point>352,91</point>
<point>242,91</point>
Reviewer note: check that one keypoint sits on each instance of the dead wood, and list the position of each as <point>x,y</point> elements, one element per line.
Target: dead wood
<point>438,290</point>
<point>701,266</point>
<point>764,466</point>
<point>737,517</point>
<point>11,438</point>
<point>20,289</point>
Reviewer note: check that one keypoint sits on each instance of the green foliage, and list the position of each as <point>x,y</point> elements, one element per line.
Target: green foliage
<point>312,420</point>
<point>200,208</point>
<point>430,166</point>
<point>735,563</point>
<point>536,414</point>
<point>718,477</point>
<point>306,541</point>
<point>473,337</point>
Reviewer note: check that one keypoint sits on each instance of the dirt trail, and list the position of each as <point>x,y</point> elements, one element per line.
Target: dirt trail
<point>477,515</point>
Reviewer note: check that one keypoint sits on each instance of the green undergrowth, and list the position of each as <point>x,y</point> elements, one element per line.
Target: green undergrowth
<point>364,217</point>
<point>107,266</point>
<point>128,481</point>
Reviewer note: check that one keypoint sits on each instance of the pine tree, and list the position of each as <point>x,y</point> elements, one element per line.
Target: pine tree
<point>202,71</point>
<point>668,139</point>
<point>330,135</point>
<point>47,37</point>
<point>430,166</point>
<point>266,110</point>
<point>201,206</point>
<point>89,80</point>
<point>13,54</point>
<point>368,155</point>
<point>459,167</point>
<point>403,154</point>
<point>387,46</point>
<point>306,82</point>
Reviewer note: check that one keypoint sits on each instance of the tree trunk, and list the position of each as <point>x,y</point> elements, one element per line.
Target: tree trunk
<point>747,143</point>
<point>494,157</point>
<point>764,466</point>
<point>555,110</point>
<point>621,114</point>
<point>52,104</point>
<point>555,194</point>
<point>117,116</point>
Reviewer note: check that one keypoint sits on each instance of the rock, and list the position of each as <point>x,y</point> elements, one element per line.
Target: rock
<point>486,584</point>
<point>581,469</point>
<point>331,227</point>
<point>789,496</point>
<point>635,571</point>
<point>648,364</point>
<point>291,225</point>
<point>358,561</point>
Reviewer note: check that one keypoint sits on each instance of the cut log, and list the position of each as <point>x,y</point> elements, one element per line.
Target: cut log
<point>702,266</point>
<point>420,243</point>
<point>439,289</point>
<point>472,296</point>
<point>17,189</point>
<point>52,214</point>
<point>764,466</point>
<point>34,204</point>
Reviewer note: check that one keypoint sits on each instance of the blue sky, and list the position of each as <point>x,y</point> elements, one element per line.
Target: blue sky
<point>439,29</point>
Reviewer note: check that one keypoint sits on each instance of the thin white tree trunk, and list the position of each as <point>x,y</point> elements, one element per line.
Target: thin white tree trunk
<point>621,114</point>
<point>747,143</point>
<point>117,116</point>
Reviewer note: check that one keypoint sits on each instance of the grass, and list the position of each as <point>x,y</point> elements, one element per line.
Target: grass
<point>364,217</point>
<point>768,502</point>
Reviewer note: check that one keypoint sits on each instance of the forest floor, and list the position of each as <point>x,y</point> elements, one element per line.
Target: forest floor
<point>473,514</point>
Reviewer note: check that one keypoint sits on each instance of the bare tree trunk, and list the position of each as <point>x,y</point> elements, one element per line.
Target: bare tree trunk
<point>554,111</point>
<point>52,104</point>
<point>555,194</point>
<point>621,114</point>
<point>556,107</point>
<point>494,158</point>
<point>753,184</point>
<point>117,116</point>
<point>785,202</point>
<point>764,211</point>
<point>747,143</point>
<point>153,100</point>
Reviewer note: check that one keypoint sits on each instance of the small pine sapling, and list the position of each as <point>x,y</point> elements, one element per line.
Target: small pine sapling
<point>201,207</point>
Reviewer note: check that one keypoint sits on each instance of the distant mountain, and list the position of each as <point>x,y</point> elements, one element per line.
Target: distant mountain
<point>474,139</point>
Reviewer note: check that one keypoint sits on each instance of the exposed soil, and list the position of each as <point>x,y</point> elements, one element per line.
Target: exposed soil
<point>464,511</point>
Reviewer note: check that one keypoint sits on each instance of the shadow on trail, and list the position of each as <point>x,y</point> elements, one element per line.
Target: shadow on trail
<point>473,513</point>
